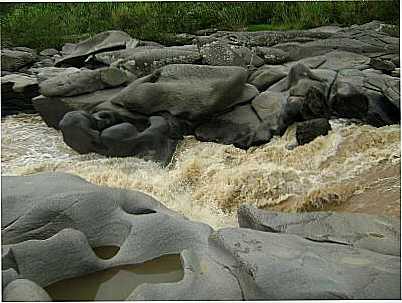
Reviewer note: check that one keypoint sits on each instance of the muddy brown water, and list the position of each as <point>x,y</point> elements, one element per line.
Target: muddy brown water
<point>117,283</point>
<point>207,181</point>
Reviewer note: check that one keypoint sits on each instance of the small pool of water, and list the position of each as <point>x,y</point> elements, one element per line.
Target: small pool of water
<point>106,252</point>
<point>117,283</point>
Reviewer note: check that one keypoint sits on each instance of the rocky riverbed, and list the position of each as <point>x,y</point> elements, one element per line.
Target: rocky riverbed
<point>233,166</point>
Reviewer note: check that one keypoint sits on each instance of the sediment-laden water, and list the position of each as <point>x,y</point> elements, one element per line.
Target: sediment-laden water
<point>117,283</point>
<point>353,168</point>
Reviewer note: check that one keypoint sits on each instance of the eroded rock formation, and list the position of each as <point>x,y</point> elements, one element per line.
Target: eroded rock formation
<point>52,224</point>
<point>237,88</point>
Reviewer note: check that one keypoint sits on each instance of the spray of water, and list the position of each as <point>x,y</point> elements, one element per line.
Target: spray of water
<point>208,181</point>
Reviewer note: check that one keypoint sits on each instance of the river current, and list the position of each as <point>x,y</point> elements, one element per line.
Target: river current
<point>355,168</point>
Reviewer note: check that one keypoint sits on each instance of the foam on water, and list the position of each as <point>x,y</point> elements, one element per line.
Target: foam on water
<point>208,181</point>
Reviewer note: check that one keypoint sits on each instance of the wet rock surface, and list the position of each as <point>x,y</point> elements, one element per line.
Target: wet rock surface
<point>53,219</point>
<point>237,88</point>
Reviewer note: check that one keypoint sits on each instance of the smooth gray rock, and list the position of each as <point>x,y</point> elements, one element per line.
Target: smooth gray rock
<point>267,75</point>
<point>376,233</point>
<point>53,219</point>
<point>240,127</point>
<point>53,109</point>
<point>289,267</point>
<point>82,82</point>
<point>21,290</point>
<point>366,95</point>
<point>271,109</point>
<point>7,276</point>
<point>102,42</point>
<point>61,228</point>
<point>107,133</point>
<point>13,60</point>
<point>192,92</point>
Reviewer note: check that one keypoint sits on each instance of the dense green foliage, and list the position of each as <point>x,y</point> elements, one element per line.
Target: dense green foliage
<point>43,25</point>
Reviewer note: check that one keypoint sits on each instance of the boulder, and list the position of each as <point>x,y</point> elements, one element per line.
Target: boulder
<point>272,55</point>
<point>52,228</point>
<point>52,109</point>
<point>17,91</point>
<point>375,233</point>
<point>13,60</point>
<point>240,127</point>
<point>348,101</point>
<point>21,290</point>
<point>366,95</point>
<point>49,52</point>
<point>267,75</point>
<point>45,73</point>
<point>192,92</point>
<point>102,42</point>
<point>288,267</point>
<point>307,131</point>
<point>271,108</point>
<point>109,134</point>
<point>82,82</point>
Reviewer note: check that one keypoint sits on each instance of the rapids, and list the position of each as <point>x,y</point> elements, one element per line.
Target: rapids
<point>354,168</point>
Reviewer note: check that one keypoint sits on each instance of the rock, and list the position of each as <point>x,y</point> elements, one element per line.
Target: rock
<point>118,138</point>
<point>13,60</point>
<point>307,131</point>
<point>192,92</point>
<point>383,65</point>
<point>45,73</point>
<point>89,216</point>
<point>267,75</point>
<point>378,234</point>
<point>21,290</point>
<point>68,48</point>
<point>337,60</point>
<point>53,219</point>
<point>102,42</point>
<point>17,90</point>
<point>272,55</point>
<point>146,61</point>
<point>49,52</point>
<point>126,54</point>
<point>348,101</point>
<point>52,109</point>
<point>82,82</point>
<point>7,275</point>
<point>289,267</point>
<point>271,109</point>
<point>220,53</point>
<point>366,95</point>
<point>240,127</point>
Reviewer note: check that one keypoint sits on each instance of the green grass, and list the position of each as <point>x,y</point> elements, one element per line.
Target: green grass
<point>43,25</point>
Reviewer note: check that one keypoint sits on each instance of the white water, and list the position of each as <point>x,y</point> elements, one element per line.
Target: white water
<point>208,181</point>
